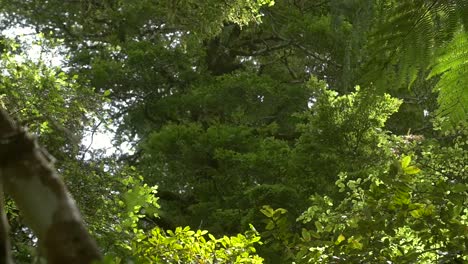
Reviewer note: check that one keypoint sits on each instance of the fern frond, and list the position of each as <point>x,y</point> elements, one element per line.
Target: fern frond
<point>463,12</point>
<point>406,41</point>
<point>409,41</point>
<point>451,65</point>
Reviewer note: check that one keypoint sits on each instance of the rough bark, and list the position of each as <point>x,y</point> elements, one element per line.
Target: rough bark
<point>31,180</point>
<point>5,253</point>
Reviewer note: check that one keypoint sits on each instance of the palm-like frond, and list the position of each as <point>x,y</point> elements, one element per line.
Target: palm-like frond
<point>408,41</point>
<point>451,65</point>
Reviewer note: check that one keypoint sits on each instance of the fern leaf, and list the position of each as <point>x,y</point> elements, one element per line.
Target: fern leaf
<point>409,37</point>
<point>452,67</point>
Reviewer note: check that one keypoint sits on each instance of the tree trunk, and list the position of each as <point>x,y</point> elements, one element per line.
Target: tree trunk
<point>29,177</point>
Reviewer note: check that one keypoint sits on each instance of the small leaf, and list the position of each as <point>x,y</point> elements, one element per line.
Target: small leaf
<point>405,161</point>
<point>255,239</point>
<point>44,127</point>
<point>211,237</point>
<point>319,226</point>
<point>305,235</point>
<point>340,239</point>
<point>354,243</point>
<point>459,187</point>
<point>411,170</point>
<point>270,225</point>
<point>267,211</point>
<point>314,234</point>
<point>416,213</point>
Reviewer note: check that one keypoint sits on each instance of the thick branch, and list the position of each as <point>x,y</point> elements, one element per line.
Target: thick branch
<point>31,180</point>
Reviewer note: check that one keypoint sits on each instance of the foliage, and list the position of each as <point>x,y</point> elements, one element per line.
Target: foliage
<point>336,128</point>
<point>420,35</point>
<point>135,242</point>
<point>341,131</point>
<point>118,21</point>
<point>451,66</point>
<point>398,213</point>
<point>187,246</point>
<point>25,84</point>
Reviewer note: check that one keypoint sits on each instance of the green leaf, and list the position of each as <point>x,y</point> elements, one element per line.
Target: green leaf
<point>459,188</point>
<point>340,239</point>
<point>417,213</point>
<point>405,161</point>
<point>211,237</point>
<point>319,226</point>
<point>270,226</point>
<point>411,170</point>
<point>267,211</point>
<point>305,235</point>
<point>354,243</point>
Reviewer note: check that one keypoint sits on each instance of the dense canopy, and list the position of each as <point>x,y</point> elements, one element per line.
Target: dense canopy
<point>248,131</point>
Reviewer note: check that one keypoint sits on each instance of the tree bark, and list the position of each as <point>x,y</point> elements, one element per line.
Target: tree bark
<point>31,180</point>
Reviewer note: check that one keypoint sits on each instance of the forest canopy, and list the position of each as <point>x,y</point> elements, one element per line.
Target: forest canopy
<point>247,131</point>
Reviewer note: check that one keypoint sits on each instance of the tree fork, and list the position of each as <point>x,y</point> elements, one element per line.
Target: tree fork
<point>28,176</point>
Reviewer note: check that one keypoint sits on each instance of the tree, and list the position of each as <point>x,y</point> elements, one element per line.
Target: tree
<point>313,121</point>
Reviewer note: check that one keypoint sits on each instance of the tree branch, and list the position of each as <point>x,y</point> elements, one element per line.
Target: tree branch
<point>31,180</point>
